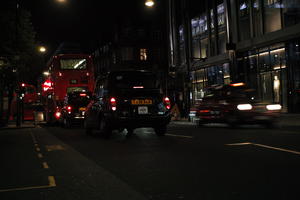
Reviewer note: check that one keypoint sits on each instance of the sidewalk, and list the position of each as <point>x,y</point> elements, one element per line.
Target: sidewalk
<point>12,125</point>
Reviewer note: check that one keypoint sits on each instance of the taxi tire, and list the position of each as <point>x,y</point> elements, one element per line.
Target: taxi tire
<point>129,132</point>
<point>160,131</point>
<point>67,123</point>
<point>201,123</point>
<point>105,128</point>
<point>232,121</point>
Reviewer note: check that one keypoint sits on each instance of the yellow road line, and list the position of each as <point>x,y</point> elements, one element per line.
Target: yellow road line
<point>45,165</point>
<point>239,144</point>
<point>183,136</point>
<point>276,148</point>
<point>51,184</point>
<point>264,146</point>
<point>40,155</point>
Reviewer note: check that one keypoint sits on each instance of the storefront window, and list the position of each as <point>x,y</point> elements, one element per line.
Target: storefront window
<point>264,59</point>
<point>221,29</point>
<point>244,19</point>
<point>277,57</point>
<point>272,18</point>
<point>291,12</point>
<point>226,73</point>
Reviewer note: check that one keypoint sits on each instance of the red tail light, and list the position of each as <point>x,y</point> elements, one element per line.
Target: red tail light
<point>69,108</point>
<point>113,103</point>
<point>57,115</point>
<point>167,103</point>
<point>82,94</point>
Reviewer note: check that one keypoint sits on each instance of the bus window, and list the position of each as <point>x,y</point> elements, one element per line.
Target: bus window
<point>76,89</point>
<point>73,64</point>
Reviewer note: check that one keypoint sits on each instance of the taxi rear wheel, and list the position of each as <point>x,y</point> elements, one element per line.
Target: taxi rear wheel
<point>105,128</point>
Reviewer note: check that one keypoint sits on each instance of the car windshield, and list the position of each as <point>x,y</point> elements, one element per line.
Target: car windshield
<point>136,80</point>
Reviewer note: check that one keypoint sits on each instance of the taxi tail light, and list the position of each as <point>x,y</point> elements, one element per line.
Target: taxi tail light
<point>69,108</point>
<point>113,103</point>
<point>57,115</point>
<point>204,111</point>
<point>167,103</point>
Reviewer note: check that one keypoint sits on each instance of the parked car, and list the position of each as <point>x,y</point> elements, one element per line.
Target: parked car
<point>235,104</point>
<point>73,110</point>
<point>128,99</point>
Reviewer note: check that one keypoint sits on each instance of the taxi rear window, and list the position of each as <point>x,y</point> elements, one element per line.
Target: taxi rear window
<point>134,80</point>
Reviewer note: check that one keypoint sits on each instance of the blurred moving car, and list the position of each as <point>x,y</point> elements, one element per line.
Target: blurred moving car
<point>235,104</point>
<point>128,99</point>
<point>74,108</point>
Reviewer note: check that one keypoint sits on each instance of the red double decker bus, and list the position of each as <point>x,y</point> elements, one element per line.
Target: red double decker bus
<point>67,73</point>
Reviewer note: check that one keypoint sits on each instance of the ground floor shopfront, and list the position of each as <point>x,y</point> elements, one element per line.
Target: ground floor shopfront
<point>274,71</point>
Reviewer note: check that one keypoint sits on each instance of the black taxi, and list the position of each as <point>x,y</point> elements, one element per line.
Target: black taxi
<point>128,99</point>
<point>235,104</point>
<point>73,110</point>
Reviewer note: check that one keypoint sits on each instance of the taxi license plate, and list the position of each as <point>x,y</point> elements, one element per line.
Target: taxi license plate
<point>142,110</point>
<point>141,101</point>
<point>82,109</point>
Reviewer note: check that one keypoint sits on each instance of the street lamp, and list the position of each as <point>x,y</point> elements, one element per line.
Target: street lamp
<point>61,1</point>
<point>149,3</point>
<point>42,49</point>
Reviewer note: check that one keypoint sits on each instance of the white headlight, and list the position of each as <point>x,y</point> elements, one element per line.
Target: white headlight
<point>274,107</point>
<point>244,107</point>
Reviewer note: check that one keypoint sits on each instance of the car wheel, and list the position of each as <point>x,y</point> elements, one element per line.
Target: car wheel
<point>270,124</point>
<point>67,123</point>
<point>200,123</point>
<point>105,128</point>
<point>160,131</point>
<point>232,121</point>
<point>129,132</point>
<point>88,130</point>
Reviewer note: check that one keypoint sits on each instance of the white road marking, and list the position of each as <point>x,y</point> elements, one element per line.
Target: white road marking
<point>182,136</point>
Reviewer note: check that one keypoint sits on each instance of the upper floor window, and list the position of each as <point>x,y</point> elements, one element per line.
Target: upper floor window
<point>221,14</point>
<point>143,54</point>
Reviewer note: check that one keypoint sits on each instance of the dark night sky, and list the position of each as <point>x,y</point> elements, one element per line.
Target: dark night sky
<point>84,21</point>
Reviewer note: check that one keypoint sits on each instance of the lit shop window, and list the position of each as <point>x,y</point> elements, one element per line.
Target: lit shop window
<point>143,54</point>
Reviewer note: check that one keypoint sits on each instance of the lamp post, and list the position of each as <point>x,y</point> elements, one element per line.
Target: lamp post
<point>149,3</point>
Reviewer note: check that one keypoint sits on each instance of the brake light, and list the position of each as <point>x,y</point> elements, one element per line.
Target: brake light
<point>87,74</point>
<point>113,103</point>
<point>167,103</point>
<point>69,108</point>
<point>57,115</point>
<point>82,95</point>
<point>204,111</point>
<point>59,74</point>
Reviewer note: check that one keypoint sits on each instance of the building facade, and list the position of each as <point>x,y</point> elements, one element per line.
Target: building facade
<point>251,41</point>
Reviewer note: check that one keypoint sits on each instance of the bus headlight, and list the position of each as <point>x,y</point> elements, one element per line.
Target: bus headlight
<point>244,107</point>
<point>274,107</point>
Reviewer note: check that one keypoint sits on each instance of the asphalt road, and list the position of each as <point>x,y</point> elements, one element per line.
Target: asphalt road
<point>212,162</point>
